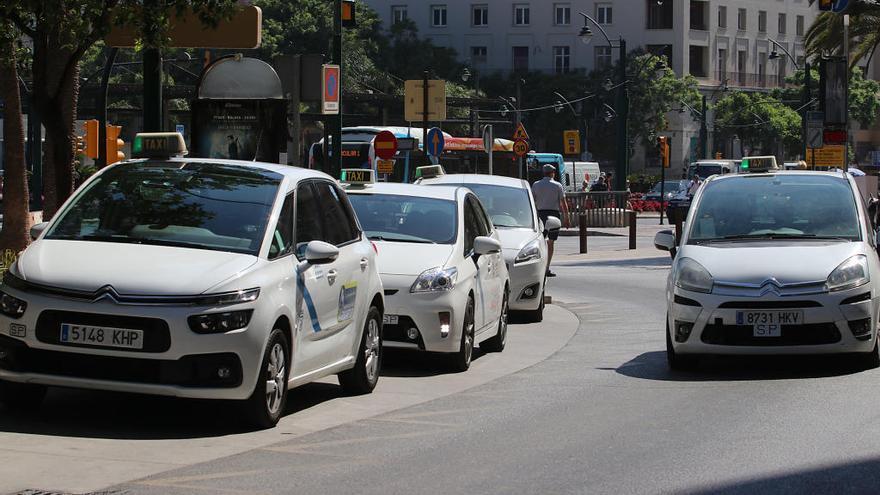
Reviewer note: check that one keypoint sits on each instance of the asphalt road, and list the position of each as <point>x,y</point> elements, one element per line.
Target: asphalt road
<point>601,415</point>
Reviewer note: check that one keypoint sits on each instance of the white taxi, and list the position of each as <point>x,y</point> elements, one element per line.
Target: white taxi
<point>773,262</point>
<point>511,208</point>
<point>196,278</point>
<point>446,284</point>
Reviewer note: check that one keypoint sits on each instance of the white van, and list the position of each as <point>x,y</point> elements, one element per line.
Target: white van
<point>583,171</point>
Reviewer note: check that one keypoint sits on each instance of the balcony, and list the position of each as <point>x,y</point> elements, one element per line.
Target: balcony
<point>750,80</point>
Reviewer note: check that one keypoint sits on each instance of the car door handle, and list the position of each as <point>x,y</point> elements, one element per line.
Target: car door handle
<point>331,276</point>
<point>364,264</point>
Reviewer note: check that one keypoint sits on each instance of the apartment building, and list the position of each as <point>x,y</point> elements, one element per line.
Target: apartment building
<point>717,41</point>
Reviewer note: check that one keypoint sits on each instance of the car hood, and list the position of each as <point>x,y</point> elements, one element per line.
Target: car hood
<point>789,262</point>
<point>132,269</point>
<point>512,240</point>
<point>406,258</point>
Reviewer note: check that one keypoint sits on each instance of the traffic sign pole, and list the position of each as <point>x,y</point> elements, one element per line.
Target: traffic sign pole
<point>425,113</point>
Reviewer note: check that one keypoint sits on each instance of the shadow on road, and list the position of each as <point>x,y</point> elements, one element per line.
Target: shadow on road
<point>652,366</point>
<point>405,363</point>
<point>659,261</point>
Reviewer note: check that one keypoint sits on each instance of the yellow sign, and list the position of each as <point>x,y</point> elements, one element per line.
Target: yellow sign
<point>572,142</point>
<point>414,100</point>
<point>520,133</point>
<point>828,156</point>
<point>357,176</point>
<point>385,166</point>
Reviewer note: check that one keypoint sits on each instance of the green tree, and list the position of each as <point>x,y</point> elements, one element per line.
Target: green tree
<point>864,94</point>
<point>759,120</point>
<point>826,34</point>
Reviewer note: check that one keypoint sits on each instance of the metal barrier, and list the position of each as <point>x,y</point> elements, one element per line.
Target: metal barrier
<point>600,209</point>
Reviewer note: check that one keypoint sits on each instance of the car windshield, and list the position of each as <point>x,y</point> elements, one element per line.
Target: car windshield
<point>780,206</point>
<point>507,206</point>
<point>392,217</point>
<point>195,205</point>
<point>671,186</point>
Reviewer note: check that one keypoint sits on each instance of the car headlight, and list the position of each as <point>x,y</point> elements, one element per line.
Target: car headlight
<point>11,306</point>
<point>228,298</point>
<point>851,273</point>
<point>529,252</point>
<point>692,276</point>
<point>220,322</point>
<point>435,279</point>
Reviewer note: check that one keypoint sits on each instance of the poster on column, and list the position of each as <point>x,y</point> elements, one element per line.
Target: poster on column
<point>239,129</point>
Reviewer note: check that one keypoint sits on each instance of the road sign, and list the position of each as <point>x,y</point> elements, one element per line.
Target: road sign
<point>834,136</point>
<point>488,139</point>
<point>330,92</point>
<point>520,147</point>
<point>829,156</point>
<point>414,97</point>
<point>840,6</point>
<point>571,140</point>
<point>385,166</point>
<point>814,137</point>
<point>407,144</point>
<point>179,128</point>
<point>385,145</point>
<point>186,30</point>
<point>520,133</point>
<point>435,142</point>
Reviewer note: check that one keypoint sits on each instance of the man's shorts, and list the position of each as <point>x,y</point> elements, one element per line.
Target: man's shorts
<point>543,215</point>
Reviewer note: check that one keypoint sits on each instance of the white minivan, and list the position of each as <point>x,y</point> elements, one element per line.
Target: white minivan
<point>582,172</point>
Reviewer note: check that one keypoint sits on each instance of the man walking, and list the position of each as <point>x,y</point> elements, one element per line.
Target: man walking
<point>550,201</point>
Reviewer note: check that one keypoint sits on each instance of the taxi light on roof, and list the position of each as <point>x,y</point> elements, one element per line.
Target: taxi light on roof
<point>358,176</point>
<point>429,171</point>
<point>759,164</point>
<point>158,145</point>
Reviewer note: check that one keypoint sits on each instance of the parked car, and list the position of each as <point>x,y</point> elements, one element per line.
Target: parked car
<point>670,188</point>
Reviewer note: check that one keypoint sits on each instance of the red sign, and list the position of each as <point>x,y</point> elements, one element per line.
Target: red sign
<point>834,137</point>
<point>385,145</point>
<point>330,91</point>
<point>520,147</point>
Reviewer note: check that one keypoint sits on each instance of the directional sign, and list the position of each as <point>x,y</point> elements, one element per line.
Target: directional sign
<point>385,145</point>
<point>520,133</point>
<point>520,147</point>
<point>330,92</point>
<point>571,140</point>
<point>435,142</point>
<point>840,6</point>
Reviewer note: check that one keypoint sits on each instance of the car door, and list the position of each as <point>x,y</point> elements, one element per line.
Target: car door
<point>495,269</point>
<point>482,282</point>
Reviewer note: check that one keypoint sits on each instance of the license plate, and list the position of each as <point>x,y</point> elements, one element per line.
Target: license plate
<point>101,336</point>
<point>390,319</point>
<point>769,323</point>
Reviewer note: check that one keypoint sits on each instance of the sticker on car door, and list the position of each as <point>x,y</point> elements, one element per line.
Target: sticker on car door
<point>347,297</point>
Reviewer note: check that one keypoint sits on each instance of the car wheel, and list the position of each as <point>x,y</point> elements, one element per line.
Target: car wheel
<point>266,404</point>
<point>461,360</point>
<point>497,343</point>
<point>362,379</point>
<point>677,361</point>
<point>871,360</point>
<point>22,397</point>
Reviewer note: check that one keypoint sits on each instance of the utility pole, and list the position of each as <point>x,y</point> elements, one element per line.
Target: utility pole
<point>518,120</point>
<point>152,81</point>
<point>807,98</point>
<point>425,92</point>
<point>336,120</point>
<point>622,119</point>
<point>102,108</point>
<point>704,130</point>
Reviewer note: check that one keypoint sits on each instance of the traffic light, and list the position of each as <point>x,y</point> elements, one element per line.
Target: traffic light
<point>719,155</point>
<point>80,145</point>
<point>348,16</point>
<point>663,149</point>
<point>91,139</point>
<point>114,144</point>
<point>826,5</point>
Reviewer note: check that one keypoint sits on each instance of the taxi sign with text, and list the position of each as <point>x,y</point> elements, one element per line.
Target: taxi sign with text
<point>158,145</point>
<point>520,133</point>
<point>385,166</point>
<point>520,147</point>
<point>358,176</point>
<point>758,164</point>
<point>827,156</point>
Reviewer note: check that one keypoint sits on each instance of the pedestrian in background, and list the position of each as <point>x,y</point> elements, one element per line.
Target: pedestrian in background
<point>550,201</point>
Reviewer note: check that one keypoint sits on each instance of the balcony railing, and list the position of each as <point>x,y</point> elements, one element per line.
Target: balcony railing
<point>750,80</point>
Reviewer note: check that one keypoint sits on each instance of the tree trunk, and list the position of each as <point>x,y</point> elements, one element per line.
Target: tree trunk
<point>15,234</point>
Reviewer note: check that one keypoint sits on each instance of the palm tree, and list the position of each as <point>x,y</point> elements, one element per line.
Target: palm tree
<point>826,34</point>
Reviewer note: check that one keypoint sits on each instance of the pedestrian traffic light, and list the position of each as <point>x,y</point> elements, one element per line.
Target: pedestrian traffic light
<point>663,149</point>
<point>114,144</point>
<point>91,139</point>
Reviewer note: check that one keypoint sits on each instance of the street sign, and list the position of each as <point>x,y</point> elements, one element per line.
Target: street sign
<point>407,144</point>
<point>520,147</point>
<point>834,136</point>
<point>488,139</point>
<point>330,92</point>
<point>814,137</point>
<point>385,145</point>
<point>520,133</point>
<point>179,128</point>
<point>840,6</point>
<point>829,156</point>
<point>414,98</point>
<point>385,166</point>
<point>571,140</point>
<point>435,142</point>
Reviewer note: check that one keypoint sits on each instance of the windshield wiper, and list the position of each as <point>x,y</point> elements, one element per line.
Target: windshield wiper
<point>397,239</point>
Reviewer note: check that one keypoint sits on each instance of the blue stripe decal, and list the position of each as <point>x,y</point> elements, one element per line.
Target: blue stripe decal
<point>310,305</point>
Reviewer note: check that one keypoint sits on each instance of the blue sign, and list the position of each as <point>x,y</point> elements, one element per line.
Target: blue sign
<point>179,128</point>
<point>839,6</point>
<point>435,142</point>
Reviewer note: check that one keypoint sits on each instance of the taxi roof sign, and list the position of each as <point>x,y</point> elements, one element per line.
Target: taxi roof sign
<point>429,171</point>
<point>358,176</point>
<point>758,164</point>
<point>158,145</point>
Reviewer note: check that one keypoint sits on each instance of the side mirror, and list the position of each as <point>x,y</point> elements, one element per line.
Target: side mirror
<point>552,223</point>
<point>321,253</point>
<point>38,229</point>
<point>665,240</point>
<point>486,245</point>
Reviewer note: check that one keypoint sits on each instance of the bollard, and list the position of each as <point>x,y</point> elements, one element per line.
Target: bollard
<point>632,229</point>
<point>582,230</point>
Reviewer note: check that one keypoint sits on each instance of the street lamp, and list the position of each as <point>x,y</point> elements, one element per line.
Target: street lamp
<point>807,96</point>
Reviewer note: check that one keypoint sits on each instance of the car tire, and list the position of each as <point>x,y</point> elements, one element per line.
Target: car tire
<point>497,343</point>
<point>266,404</point>
<point>676,361</point>
<point>22,397</point>
<point>871,360</point>
<point>460,361</point>
<point>364,376</point>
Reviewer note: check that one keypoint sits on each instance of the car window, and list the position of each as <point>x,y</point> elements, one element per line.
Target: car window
<point>282,238</point>
<point>308,221</point>
<point>506,206</point>
<point>484,225</point>
<point>337,224</point>
<point>789,205</point>
<point>394,217</point>
<point>471,227</point>
<point>183,204</point>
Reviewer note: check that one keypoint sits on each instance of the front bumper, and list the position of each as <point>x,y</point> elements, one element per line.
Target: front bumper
<point>833,323</point>
<point>175,361</point>
<point>529,275</point>
<point>422,311</point>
